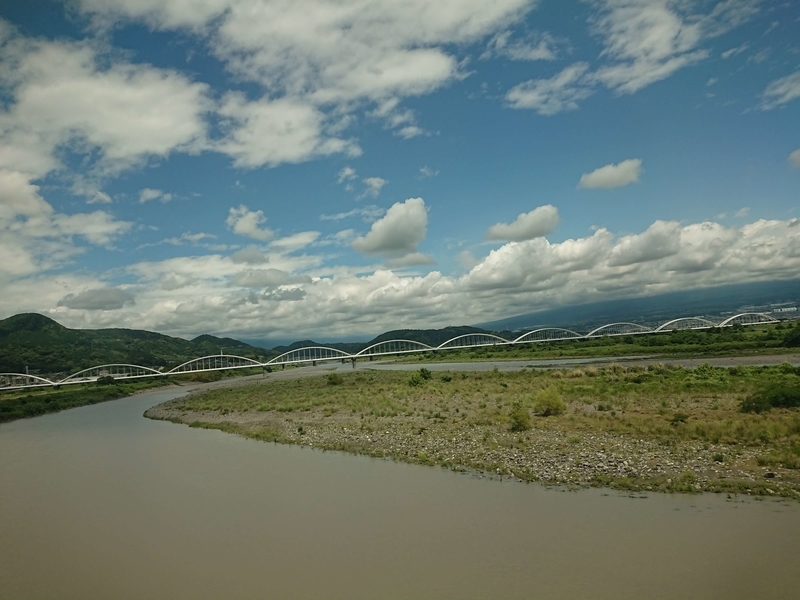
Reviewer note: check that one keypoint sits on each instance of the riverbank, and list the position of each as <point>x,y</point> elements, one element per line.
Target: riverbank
<point>654,428</point>
<point>24,404</point>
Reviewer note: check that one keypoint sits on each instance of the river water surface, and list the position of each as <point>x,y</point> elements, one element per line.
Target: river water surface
<point>100,503</point>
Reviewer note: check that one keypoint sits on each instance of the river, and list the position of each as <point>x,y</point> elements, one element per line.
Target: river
<point>101,503</point>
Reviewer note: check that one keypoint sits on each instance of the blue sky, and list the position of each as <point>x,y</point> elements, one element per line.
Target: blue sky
<point>281,170</point>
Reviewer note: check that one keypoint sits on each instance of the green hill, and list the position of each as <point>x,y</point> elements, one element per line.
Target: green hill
<point>46,347</point>
<point>431,337</point>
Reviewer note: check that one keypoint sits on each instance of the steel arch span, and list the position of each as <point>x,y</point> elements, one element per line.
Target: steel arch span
<point>749,318</point>
<point>16,381</point>
<point>618,329</point>
<point>310,354</point>
<point>215,362</point>
<point>117,371</point>
<point>472,340</point>
<point>685,323</point>
<point>390,347</point>
<point>547,334</point>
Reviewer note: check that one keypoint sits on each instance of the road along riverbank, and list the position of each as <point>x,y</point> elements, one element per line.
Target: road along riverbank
<point>638,427</point>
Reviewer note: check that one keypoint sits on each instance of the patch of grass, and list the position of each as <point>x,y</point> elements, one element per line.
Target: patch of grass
<point>682,411</point>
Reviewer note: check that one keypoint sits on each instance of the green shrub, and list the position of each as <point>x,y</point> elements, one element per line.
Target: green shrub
<point>106,380</point>
<point>520,418</point>
<point>424,373</point>
<point>415,380</point>
<point>779,395</point>
<point>549,403</point>
<point>335,379</point>
<point>792,339</point>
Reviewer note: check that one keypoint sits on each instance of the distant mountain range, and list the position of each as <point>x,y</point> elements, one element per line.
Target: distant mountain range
<point>710,302</point>
<point>42,345</point>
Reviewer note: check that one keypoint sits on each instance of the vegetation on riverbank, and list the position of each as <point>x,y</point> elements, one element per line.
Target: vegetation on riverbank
<point>659,428</point>
<point>21,404</point>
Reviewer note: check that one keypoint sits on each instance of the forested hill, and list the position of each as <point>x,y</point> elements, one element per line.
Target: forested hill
<point>44,346</point>
<point>431,337</point>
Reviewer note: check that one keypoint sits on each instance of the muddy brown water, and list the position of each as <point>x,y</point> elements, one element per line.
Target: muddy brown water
<point>100,503</point>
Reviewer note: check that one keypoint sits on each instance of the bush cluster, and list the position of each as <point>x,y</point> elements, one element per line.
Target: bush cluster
<point>520,418</point>
<point>549,403</point>
<point>779,395</point>
<point>335,379</point>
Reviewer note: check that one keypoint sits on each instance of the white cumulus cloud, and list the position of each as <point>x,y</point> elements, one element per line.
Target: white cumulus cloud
<point>536,223</point>
<point>611,176</point>
<point>246,222</point>
<point>399,232</point>
<point>148,194</point>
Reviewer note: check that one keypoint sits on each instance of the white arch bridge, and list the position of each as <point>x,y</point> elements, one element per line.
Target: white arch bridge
<point>322,354</point>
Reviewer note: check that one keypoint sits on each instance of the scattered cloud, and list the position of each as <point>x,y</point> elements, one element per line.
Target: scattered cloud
<point>77,96</point>
<point>271,132</point>
<point>373,186</point>
<point>781,91</point>
<point>346,174</point>
<point>794,158</point>
<point>611,176</point>
<point>538,46</point>
<point>368,213</point>
<point>742,212</point>
<point>759,57</point>
<point>251,255</point>
<point>285,295</point>
<point>246,222</point>
<point>734,51</point>
<point>260,278</point>
<point>410,131</point>
<point>644,41</point>
<point>98,299</point>
<point>647,41</point>
<point>295,242</point>
<point>413,259</point>
<point>148,194</point>
<point>320,65</point>
<point>192,238</point>
<point>551,96</point>
<point>527,226</point>
<point>426,172</point>
<point>398,233</point>
<point>90,190</point>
